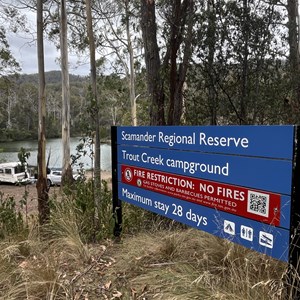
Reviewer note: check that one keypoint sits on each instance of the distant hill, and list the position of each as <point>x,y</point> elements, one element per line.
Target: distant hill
<point>51,77</point>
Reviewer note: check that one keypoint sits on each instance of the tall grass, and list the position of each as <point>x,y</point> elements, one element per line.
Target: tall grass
<point>27,269</point>
<point>48,262</point>
<point>156,259</point>
<point>189,264</point>
<point>11,221</point>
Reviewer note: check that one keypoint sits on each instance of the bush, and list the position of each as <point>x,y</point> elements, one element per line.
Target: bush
<point>93,209</point>
<point>11,221</point>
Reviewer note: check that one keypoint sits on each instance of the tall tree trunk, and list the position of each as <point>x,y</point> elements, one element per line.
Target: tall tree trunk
<point>153,66</point>
<point>187,26</point>
<point>41,185</point>
<point>244,84</point>
<point>67,176</point>
<point>131,65</point>
<point>181,21</point>
<point>97,167</point>
<point>8,110</point>
<point>211,81</point>
<point>175,41</point>
<point>294,61</point>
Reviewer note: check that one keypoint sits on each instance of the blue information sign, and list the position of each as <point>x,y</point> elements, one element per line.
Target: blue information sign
<point>235,182</point>
<point>270,240</point>
<point>263,141</point>
<point>284,207</point>
<point>256,172</point>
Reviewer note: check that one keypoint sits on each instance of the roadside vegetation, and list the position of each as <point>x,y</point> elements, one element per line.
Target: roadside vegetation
<point>75,255</point>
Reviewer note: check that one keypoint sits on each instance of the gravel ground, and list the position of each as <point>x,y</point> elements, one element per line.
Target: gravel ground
<point>18,192</point>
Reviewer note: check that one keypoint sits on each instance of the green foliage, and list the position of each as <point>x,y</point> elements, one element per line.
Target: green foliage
<point>19,106</point>
<point>239,70</point>
<point>84,148</point>
<point>23,155</point>
<point>93,219</point>
<point>136,219</point>
<point>104,221</point>
<point>239,74</point>
<point>14,134</point>
<point>8,64</point>
<point>115,100</point>
<point>11,221</point>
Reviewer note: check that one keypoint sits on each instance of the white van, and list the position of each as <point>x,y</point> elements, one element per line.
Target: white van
<point>13,172</point>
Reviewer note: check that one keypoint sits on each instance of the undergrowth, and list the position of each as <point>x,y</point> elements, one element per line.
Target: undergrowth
<point>11,221</point>
<point>190,264</point>
<point>74,256</point>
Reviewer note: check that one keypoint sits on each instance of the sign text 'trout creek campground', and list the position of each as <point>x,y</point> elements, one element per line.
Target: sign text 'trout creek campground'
<point>235,182</point>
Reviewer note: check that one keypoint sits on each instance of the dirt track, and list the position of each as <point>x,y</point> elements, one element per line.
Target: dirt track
<point>19,192</point>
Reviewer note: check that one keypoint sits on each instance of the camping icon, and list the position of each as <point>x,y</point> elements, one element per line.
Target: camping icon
<point>229,227</point>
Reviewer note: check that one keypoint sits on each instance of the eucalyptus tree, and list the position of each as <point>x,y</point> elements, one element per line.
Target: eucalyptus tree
<point>42,188</point>
<point>252,54</point>
<point>67,174</point>
<point>166,75</point>
<point>293,26</point>
<point>27,108</point>
<point>10,20</point>
<point>8,96</point>
<point>131,73</point>
<point>153,63</point>
<point>114,90</point>
<point>3,97</point>
<point>94,91</point>
<point>11,102</point>
<point>117,38</point>
<point>121,38</point>
<point>211,42</point>
<point>237,69</point>
<point>55,25</point>
<point>56,17</point>
<point>80,38</point>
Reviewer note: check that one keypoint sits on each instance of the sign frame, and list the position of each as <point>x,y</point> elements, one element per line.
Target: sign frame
<point>292,257</point>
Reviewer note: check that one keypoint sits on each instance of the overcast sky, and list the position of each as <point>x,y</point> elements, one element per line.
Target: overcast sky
<point>24,48</point>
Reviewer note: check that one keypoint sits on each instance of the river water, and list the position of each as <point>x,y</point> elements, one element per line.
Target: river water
<point>9,153</point>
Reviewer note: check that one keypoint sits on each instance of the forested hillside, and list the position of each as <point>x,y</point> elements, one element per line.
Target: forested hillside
<point>19,105</point>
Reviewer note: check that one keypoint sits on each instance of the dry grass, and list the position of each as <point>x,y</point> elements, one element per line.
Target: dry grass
<point>63,232</point>
<point>26,272</point>
<point>164,263</point>
<point>190,264</point>
<point>48,263</point>
<point>186,264</point>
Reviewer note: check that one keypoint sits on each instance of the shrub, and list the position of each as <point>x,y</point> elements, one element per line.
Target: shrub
<point>11,221</point>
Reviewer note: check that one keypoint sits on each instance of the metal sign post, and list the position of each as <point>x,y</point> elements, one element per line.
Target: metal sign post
<point>117,204</point>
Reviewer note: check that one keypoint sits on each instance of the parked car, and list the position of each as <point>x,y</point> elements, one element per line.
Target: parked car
<point>54,176</point>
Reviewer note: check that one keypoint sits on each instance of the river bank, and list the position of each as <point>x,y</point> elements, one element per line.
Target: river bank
<point>54,151</point>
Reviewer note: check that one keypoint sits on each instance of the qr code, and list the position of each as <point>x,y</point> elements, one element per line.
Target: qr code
<point>258,203</point>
